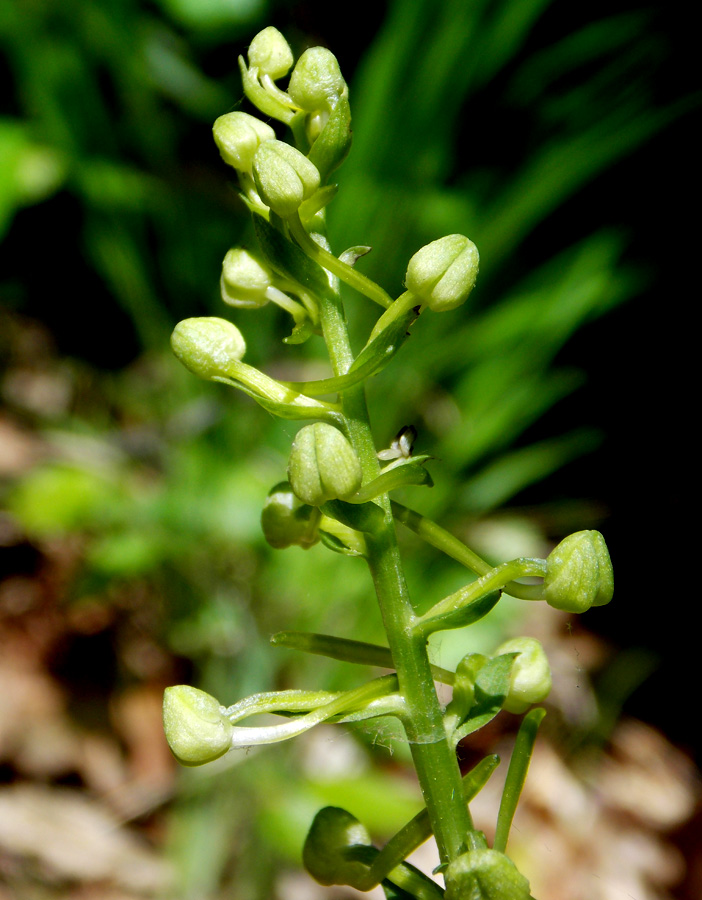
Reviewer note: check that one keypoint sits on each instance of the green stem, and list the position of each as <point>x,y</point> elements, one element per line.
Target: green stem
<point>418,829</point>
<point>333,264</point>
<point>443,540</point>
<point>250,736</point>
<point>400,307</point>
<point>375,355</point>
<point>434,758</point>
<point>493,580</point>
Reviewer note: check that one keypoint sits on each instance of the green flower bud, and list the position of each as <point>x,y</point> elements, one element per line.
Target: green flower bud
<point>284,177</point>
<point>443,273</point>
<point>270,53</point>
<point>530,678</point>
<point>206,346</point>
<point>579,573</point>
<point>196,728</point>
<point>323,465</point>
<point>286,521</point>
<point>238,136</point>
<point>485,875</point>
<point>316,82</point>
<point>244,280</point>
<point>329,848</point>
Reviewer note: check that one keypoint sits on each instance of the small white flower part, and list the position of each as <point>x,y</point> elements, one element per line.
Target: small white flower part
<point>402,444</point>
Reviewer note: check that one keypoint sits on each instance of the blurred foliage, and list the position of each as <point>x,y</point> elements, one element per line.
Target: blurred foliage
<point>491,119</point>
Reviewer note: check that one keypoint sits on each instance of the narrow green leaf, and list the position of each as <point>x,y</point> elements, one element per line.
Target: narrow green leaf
<point>333,144</point>
<point>286,258</point>
<point>516,775</point>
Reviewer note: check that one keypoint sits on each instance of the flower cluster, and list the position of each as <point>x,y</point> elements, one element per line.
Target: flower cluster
<point>337,494</point>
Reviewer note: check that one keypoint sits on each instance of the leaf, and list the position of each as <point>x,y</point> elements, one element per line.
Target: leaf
<point>492,680</point>
<point>286,258</point>
<point>463,616</point>
<point>333,144</point>
<point>365,517</point>
<point>405,472</point>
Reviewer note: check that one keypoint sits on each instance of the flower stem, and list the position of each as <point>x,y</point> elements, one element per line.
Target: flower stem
<point>434,758</point>
<point>493,580</point>
<point>418,829</point>
<point>333,264</point>
<point>450,545</point>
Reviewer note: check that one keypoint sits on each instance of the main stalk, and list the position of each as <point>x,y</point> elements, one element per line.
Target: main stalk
<point>434,759</point>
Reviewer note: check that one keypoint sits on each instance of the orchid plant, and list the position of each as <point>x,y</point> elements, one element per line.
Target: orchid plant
<point>337,492</point>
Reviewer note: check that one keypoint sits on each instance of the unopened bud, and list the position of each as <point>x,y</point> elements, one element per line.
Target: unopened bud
<point>270,53</point>
<point>485,875</point>
<point>530,678</point>
<point>323,465</point>
<point>196,728</point>
<point>335,836</point>
<point>244,280</point>
<point>207,345</point>
<point>284,177</point>
<point>238,136</point>
<point>579,573</point>
<point>286,521</point>
<point>316,82</point>
<point>442,274</point>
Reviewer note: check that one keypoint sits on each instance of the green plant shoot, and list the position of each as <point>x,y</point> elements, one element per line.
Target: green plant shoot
<point>336,491</point>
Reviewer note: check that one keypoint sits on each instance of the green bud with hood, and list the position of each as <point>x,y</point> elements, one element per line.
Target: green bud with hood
<point>334,839</point>
<point>287,522</point>
<point>207,345</point>
<point>485,875</point>
<point>579,573</point>
<point>196,728</point>
<point>316,82</point>
<point>270,53</point>
<point>530,677</point>
<point>443,273</point>
<point>245,280</point>
<point>238,136</point>
<point>323,465</point>
<point>284,177</point>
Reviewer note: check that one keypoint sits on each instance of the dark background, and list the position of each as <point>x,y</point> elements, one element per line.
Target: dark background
<point>638,359</point>
<point>96,268</point>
